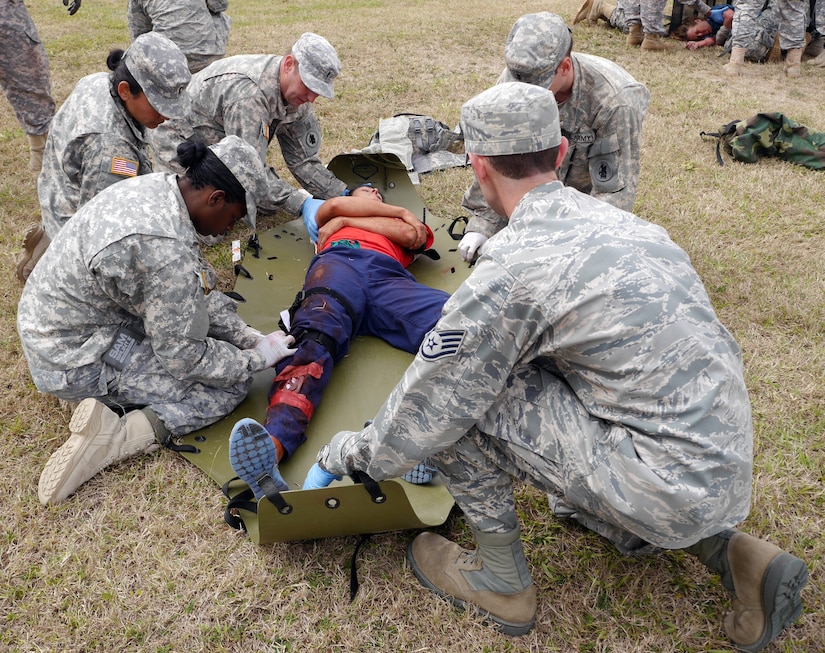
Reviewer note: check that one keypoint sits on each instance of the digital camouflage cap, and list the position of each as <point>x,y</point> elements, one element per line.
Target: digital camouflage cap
<point>160,68</point>
<point>318,63</point>
<point>535,47</point>
<point>246,166</point>
<point>510,118</point>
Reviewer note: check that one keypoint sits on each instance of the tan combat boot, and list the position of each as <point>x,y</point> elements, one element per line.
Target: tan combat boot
<point>583,12</point>
<point>37,143</point>
<point>653,42</point>
<point>600,9</point>
<point>493,580</point>
<point>765,582</point>
<point>35,242</point>
<point>635,36</point>
<point>99,439</point>
<point>818,61</point>
<point>734,67</point>
<point>793,65</point>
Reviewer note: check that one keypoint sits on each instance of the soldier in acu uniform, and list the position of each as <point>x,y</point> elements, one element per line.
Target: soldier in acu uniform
<point>200,28</point>
<point>793,20</point>
<point>98,136</point>
<point>121,314</point>
<point>582,356</point>
<point>261,97</point>
<point>24,76</point>
<point>601,108</point>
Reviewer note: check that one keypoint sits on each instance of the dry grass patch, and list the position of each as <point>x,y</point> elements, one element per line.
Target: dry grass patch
<point>140,559</point>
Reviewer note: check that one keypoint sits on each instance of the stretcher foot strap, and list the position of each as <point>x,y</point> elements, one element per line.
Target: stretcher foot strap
<point>353,568</point>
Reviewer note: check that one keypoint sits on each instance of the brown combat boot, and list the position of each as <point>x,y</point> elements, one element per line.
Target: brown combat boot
<point>99,438</point>
<point>493,580</point>
<point>765,581</point>
<point>653,42</point>
<point>635,36</point>
<point>814,47</point>
<point>35,242</point>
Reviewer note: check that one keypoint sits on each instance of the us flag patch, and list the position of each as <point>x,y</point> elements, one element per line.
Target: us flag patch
<point>124,167</point>
<point>439,344</point>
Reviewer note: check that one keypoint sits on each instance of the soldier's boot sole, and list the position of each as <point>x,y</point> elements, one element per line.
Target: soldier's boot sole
<point>82,456</point>
<point>35,243</point>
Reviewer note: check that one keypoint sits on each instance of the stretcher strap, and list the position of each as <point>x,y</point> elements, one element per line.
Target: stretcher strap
<point>353,568</point>
<point>370,486</point>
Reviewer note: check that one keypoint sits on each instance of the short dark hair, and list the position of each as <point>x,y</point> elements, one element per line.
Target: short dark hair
<point>680,33</point>
<point>204,168</point>
<point>518,166</point>
<point>120,73</point>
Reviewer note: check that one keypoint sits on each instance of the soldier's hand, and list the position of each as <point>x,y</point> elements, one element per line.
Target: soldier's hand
<point>72,6</point>
<point>470,244</point>
<point>275,346</point>
<point>318,477</point>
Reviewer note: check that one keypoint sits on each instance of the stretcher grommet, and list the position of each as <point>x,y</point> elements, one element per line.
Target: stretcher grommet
<point>200,438</point>
<point>332,503</point>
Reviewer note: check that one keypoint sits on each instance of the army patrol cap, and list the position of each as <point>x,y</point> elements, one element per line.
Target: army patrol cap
<point>245,164</point>
<point>318,63</point>
<point>160,68</point>
<point>511,118</point>
<point>535,47</point>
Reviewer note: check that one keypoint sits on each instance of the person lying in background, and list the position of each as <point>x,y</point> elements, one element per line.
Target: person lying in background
<point>704,31</point>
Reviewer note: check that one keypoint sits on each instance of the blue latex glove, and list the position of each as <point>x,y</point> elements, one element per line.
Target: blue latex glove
<point>318,478</point>
<point>308,210</point>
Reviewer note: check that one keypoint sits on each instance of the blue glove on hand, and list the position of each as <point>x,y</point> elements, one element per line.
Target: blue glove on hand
<point>318,478</point>
<point>308,210</point>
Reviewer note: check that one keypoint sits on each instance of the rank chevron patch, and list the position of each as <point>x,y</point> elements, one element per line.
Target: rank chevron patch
<point>439,344</point>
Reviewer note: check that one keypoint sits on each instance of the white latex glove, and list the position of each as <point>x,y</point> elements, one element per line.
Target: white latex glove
<point>469,245</point>
<point>275,346</point>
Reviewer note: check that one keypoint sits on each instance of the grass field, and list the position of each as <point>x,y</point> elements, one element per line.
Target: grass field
<point>140,559</point>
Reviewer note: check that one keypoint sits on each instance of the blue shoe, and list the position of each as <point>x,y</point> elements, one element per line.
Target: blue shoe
<point>422,473</point>
<point>253,456</point>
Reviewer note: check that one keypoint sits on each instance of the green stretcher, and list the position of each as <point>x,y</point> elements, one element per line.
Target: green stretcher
<point>360,383</point>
